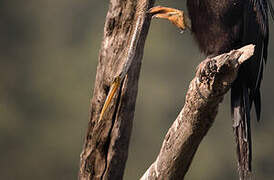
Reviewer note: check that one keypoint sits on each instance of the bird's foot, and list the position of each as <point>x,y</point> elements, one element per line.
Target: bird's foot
<point>113,89</point>
<point>177,17</point>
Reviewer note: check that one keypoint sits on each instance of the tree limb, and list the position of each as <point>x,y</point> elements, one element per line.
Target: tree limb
<point>206,91</point>
<point>106,144</point>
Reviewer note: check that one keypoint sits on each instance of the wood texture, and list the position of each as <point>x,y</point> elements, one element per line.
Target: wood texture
<point>206,91</point>
<point>106,144</point>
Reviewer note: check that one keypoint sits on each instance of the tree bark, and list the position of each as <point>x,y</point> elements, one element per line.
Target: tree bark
<point>206,91</point>
<point>106,144</point>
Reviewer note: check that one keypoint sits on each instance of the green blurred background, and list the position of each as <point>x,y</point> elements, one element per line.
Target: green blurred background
<point>48,63</point>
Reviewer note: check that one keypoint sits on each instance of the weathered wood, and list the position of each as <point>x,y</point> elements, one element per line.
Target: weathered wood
<point>106,144</point>
<point>206,91</point>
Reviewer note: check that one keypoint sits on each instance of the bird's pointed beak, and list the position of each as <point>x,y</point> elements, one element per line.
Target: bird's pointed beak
<point>177,17</point>
<point>113,89</point>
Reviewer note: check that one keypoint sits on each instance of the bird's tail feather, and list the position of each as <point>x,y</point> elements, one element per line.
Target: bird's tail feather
<point>257,102</point>
<point>240,106</point>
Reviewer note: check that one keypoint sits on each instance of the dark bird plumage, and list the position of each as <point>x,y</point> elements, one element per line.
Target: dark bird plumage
<point>220,26</point>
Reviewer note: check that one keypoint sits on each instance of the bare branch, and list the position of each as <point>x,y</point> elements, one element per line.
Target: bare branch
<point>206,91</point>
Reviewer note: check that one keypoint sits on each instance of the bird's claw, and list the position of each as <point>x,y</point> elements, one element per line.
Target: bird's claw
<point>177,17</point>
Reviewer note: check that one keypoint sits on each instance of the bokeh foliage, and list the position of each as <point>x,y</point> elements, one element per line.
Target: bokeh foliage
<point>49,53</point>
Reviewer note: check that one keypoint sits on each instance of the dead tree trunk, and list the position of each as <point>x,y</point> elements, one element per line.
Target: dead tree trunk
<point>106,144</point>
<point>205,93</point>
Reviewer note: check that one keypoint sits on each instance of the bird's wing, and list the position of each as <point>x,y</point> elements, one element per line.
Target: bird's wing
<point>246,88</point>
<point>269,3</point>
<point>256,31</point>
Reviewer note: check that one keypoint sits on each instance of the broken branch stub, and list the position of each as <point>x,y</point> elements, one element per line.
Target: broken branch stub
<point>206,91</point>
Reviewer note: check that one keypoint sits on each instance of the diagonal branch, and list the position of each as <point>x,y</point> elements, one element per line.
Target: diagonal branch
<point>206,91</point>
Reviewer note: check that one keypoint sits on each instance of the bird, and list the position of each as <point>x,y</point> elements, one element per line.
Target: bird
<point>219,26</point>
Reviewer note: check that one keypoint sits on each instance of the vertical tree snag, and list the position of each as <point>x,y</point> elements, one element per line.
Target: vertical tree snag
<point>106,144</point>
